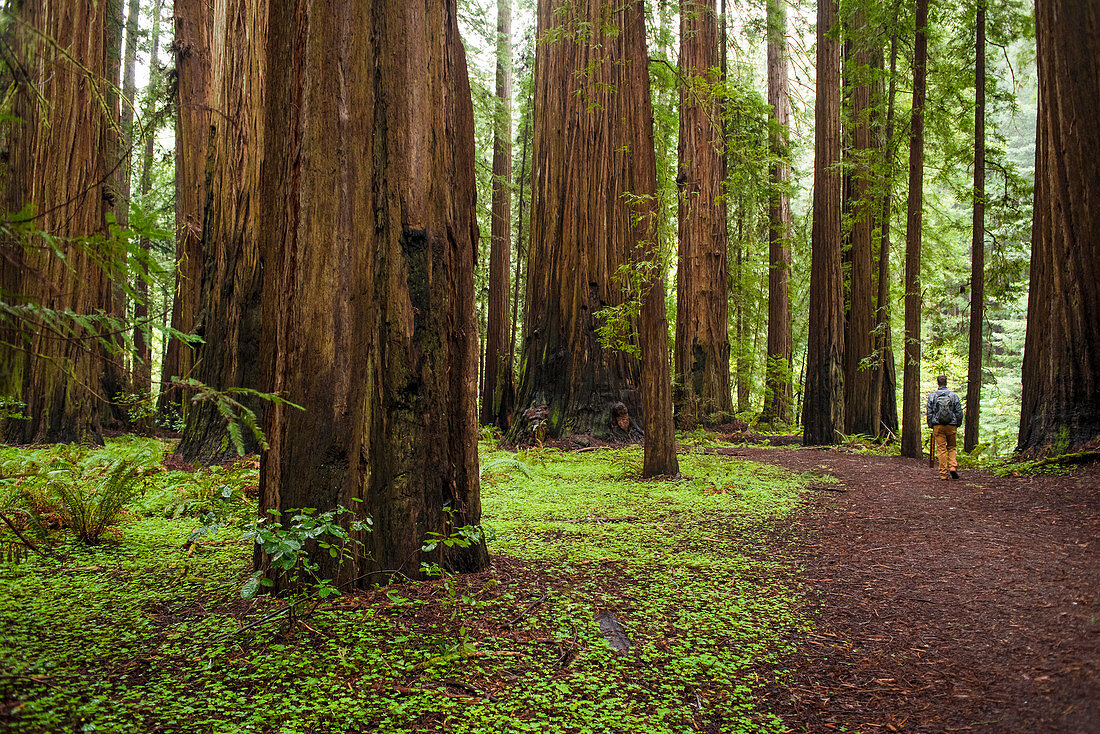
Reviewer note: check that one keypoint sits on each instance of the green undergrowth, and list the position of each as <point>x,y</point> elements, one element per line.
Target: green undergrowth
<point>147,631</point>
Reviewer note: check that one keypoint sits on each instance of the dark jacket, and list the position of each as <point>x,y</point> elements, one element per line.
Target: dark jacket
<point>956,407</point>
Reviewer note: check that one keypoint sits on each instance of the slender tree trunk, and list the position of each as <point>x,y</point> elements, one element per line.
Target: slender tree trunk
<point>570,381</point>
<point>636,165</point>
<point>823,411</point>
<point>115,382</point>
<point>702,301</point>
<point>977,244</point>
<point>194,26</point>
<point>129,63</point>
<point>778,369</point>
<point>369,235</point>
<point>230,313</point>
<point>1061,370</point>
<point>498,390</point>
<point>859,399</point>
<point>885,380</point>
<point>520,252</point>
<point>911,413</point>
<point>741,375</point>
<point>143,354</point>
<point>57,168</point>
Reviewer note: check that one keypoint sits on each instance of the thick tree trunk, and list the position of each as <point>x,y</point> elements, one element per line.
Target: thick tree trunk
<point>143,354</point>
<point>977,244</point>
<point>1061,371</point>
<point>636,165</point>
<point>498,388</point>
<point>369,237</point>
<point>58,167</point>
<point>778,370</point>
<point>823,411</point>
<point>702,302</point>
<point>194,26</point>
<point>911,412</point>
<point>884,385</point>
<point>569,381</point>
<point>230,313</point>
<point>859,400</point>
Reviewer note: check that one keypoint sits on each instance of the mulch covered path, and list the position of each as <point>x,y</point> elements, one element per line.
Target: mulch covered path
<point>970,605</point>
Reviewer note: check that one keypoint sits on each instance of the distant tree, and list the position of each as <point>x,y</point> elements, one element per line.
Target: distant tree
<point>57,182</point>
<point>191,47</point>
<point>583,118</point>
<point>778,371</point>
<point>823,411</point>
<point>702,302</point>
<point>368,236</point>
<point>498,387</point>
<point>977,242</point>
<point>229,318</point>
<point>911,409</point>
<point>1061,369</point>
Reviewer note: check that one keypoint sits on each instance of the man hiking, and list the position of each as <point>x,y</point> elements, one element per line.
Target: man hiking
<point>945,415</point>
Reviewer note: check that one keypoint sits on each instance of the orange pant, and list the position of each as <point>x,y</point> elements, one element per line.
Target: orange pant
<point>944,436</point>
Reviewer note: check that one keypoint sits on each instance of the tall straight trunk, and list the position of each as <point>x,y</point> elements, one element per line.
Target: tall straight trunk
<point>884,385</point>
<point>702,301</point>
<point>129,86</point>
<point>521,183</point>
<point>1061,370</point>
<point>143,355</point>
<point>911,413</point>
<point>977,243</point>
<point>823,411</point>
<point>230,313</point>
<point>191,46</point>
<point>58,168</point>
<point>744,359</point>
<point>369,235</point>
<point>115,381</point>
<point>570,382</point>
<point>636,166</point>
<point>859,400</point>
<point>497,392</point>
<point>778,368</point>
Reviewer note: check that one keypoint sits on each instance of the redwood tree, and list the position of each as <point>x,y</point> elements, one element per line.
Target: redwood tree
<point>191,47</point>
<point>911,410</point>
<point>57,182</point>
<point>777,373</point>
<point>823,411</point>
<point>497,391</point>
<point>702,302</point>
<point>859,402</point>
<point>230,313</point>
<point>977,242</point>
<point>583,116</point>
<point>1061,370</point>
<point>368,235</point>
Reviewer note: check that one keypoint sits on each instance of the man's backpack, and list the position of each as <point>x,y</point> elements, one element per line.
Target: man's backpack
<point>944,415</point>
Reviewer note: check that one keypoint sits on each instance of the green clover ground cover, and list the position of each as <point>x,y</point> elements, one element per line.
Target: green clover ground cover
<point>134,635</point>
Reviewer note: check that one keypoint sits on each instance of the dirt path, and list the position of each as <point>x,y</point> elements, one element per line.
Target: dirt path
<point>969,605</point>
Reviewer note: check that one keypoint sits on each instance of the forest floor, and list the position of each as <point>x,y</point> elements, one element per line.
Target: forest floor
<point>970,605</point>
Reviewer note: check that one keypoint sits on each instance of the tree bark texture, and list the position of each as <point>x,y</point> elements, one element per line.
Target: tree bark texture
<point>912,414</point>
<point>977,244</point>
<point>859,401</point>
<point>498,387</point>
<point>129,85</point>
<point>191,47</point>
<point>702,350</point>
<point>778,370</point>
<point>369,236</point>
<point>230,312</point>
<point>115,382</point>
<point>58,164</point>
<point>637,165</point>
<point>823,411</point>
<point>1061,370</point>
<point>582,121</point>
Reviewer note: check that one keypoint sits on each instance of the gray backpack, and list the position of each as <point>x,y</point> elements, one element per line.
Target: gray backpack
<point>944,415</point>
